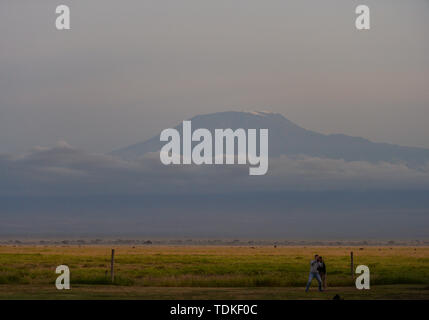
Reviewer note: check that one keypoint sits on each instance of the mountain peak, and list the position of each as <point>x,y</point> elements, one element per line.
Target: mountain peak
<point>264,113</point>
<point>287,138</point>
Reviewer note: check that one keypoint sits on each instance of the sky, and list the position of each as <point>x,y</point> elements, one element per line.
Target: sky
<point>129,69</point>
<point>126,70</point>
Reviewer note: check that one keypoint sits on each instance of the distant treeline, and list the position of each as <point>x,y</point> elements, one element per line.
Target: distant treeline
<point>205,242</point>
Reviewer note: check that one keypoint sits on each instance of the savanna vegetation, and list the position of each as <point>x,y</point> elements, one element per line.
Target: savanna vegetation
<point>199,270</point>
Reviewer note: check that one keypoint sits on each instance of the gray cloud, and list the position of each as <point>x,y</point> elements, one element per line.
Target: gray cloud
<point>64,170</point>
<point>66,191</point>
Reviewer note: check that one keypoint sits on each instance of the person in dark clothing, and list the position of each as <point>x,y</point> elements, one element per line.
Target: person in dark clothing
<point>322,271</point>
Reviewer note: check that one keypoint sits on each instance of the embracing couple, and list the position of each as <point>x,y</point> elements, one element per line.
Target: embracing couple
<point>318,271</point>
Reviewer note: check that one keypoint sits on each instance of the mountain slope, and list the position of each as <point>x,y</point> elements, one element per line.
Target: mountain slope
<point>287,138</point>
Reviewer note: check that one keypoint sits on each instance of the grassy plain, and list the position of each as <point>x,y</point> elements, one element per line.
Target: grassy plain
<point>209,272</point>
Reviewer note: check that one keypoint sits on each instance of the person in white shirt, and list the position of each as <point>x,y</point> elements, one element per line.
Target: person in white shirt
<point>314,273</point>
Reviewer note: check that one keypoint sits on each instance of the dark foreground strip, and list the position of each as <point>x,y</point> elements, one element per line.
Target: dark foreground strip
<point>190,309</point>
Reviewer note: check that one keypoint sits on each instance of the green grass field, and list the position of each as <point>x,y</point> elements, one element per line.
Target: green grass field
<point>216,272</point>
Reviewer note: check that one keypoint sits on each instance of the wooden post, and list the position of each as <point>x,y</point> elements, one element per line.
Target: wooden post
<point>112,261</point>
<point>351,265</point>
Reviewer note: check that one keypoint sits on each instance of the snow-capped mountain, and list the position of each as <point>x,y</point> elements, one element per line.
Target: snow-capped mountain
<point>287,138</point>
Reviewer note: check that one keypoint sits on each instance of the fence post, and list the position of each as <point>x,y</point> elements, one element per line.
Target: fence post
<point>351,265</point>
<point>112,261</point>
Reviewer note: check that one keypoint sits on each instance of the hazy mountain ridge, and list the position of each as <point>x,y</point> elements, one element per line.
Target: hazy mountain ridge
<point>287,138</point>
<point>63,190</point>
